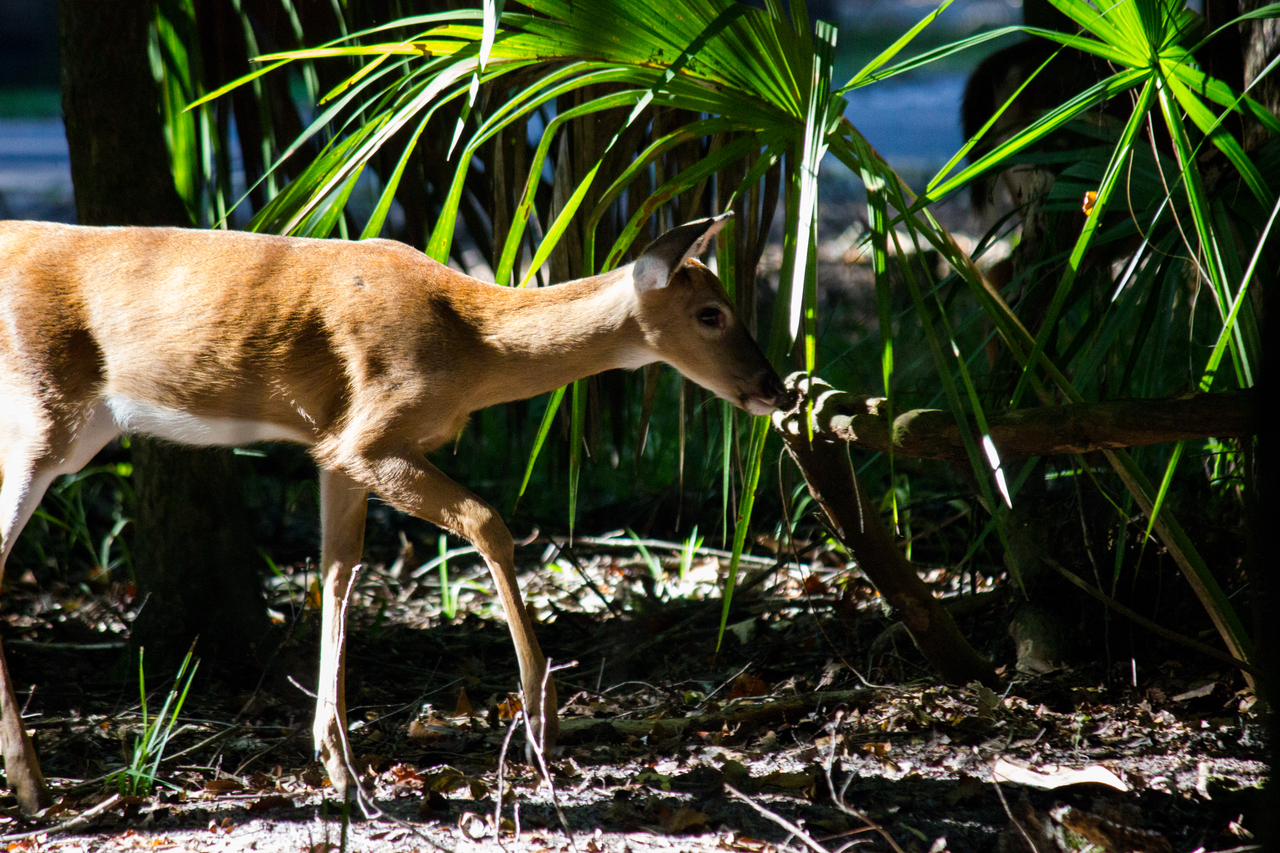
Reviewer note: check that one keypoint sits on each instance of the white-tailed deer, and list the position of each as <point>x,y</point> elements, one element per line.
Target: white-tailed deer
<point>368,352</point>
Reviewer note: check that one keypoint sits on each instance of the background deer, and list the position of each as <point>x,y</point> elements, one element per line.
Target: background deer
<point>369,353</point>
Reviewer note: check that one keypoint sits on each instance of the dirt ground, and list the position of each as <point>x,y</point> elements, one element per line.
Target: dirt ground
<point>814,727</point>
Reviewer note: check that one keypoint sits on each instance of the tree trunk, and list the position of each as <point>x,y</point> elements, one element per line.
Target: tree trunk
<point>1261,44</point>
<point>1261,40</point>
<point>190,553</point>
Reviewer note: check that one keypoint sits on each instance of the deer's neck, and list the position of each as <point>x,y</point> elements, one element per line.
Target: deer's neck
<point>543,338</point>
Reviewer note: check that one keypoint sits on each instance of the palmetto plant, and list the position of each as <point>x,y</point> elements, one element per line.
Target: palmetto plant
<point>1151,45</point>
<point>644,110</point>
<point>748,91</point>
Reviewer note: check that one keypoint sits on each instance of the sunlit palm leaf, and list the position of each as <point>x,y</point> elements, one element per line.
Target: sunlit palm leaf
<point>757,86</point>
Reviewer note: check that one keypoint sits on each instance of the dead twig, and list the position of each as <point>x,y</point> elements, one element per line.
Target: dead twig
<point>502,773</point>
<point>837,797</point>
<point>536,748</point>
<point>74,823</point>
<point>778,819</point>
<point>362,800</point>
<point>740,711</point>
<point>1026,836</point>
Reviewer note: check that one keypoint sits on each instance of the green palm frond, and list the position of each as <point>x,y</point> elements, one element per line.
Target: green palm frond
<point>753,93</point>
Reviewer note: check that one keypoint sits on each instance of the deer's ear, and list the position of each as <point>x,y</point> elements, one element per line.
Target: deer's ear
<point>664,256</point>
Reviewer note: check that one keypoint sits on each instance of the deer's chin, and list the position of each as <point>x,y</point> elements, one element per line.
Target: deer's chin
<point>756,405</point>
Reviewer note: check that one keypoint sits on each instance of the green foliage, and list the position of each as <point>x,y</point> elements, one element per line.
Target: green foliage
<point>449,589</point>
<point>1150,47</point>
<point>645,113</point>
<point>80,522</point>
<point>654,564</point>
<point>752,91</point>
<point>689,551</point>
<point>202,142</point>
<point>142,773</point>
<point>448,594</point>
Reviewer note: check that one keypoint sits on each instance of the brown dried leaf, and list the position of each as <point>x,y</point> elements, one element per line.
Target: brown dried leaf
<point>681,820</point>
<point>463,708</point>
<point>223,786</point>
<point>403,776</point>
<point>799,782</point>
<point>744,844</point>
<point>445,780</point>
<point>746,685</point>
<point>272,801</point>
<point>313,595</point>
<point>507,710</point>
<point>432,731</point>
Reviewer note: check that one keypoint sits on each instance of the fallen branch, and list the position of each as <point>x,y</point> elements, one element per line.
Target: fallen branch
<point>796,831</point>
<point>74,824</point>
<point>856,523</point>
<point>1041,431</point>
<point>744,711</point>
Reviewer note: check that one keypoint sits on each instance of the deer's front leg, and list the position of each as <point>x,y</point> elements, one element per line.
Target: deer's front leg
<point>342,517</point>
<point>412,484</point>
<point>20,492</point>
<point>30,460</point>
<point>20,763</point>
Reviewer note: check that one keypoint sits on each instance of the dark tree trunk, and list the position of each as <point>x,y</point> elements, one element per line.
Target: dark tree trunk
<point>192,558</point>
<point>1261,44</point>
<point>119,163</point>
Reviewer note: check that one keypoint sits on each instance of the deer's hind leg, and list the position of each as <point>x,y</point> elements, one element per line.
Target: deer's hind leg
<point>407,481</point>
<point>342,518</point>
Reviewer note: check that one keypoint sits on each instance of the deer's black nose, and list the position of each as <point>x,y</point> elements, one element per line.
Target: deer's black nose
<point>771,388</point>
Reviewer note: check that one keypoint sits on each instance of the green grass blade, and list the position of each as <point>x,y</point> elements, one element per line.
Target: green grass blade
<point>986,127</point>
<point>544,429</point>
<point>1221,94</point>
<point>869,71</point>
<point>726,466</point>
<point>930,56</point>
<point>559,81</point>
<point>803,287</point>
<point>1215,357</point>
<point>1099,23</point>
<point>492,15</point>
<point>175,699</point>
<point>746,503</point>
<point>1115,170</point>
<point>690,177</point>
<point>1210,250</point>
<point>237,83</point>
<point>1036,131</point>
<point>1210,594</point>
<point>1211,126</point>
<point>515,234</point>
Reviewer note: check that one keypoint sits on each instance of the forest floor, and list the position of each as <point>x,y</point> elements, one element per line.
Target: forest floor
<point>816,726</point>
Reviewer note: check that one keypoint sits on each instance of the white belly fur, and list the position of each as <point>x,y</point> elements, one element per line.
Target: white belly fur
<point>185,428</point>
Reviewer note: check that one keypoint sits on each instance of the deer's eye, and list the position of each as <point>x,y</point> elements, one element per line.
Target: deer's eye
<point>712,318</point>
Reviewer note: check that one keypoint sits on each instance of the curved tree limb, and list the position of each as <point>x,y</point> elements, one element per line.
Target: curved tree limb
<point>1043,431</point>
<point>854,519</point>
